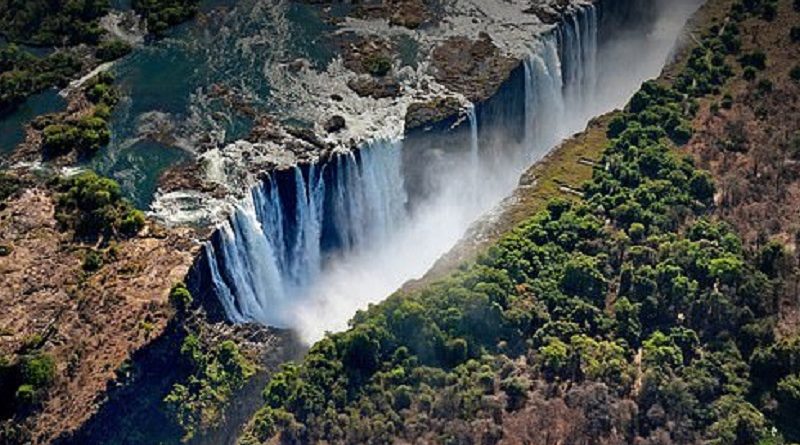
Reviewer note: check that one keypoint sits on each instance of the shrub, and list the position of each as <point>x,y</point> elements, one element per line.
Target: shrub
<point>161,14</point>
<point>794,74</point>
<point>113,49</point>
<point>132,223</point>
<point>756,59</point>
<point>38,372</point>
<point>764,86</point>
<point>85,136</point>
<point>23,74</point>
<point>377,64</point>
<point>681,134</point>
<point>198,403</point>
<point>616,126</point>
<point>9,185</point>
<point>768,12</point>
<point>516,390</point>
<point>180,298</point>
<point>727,102</point>
<point>749,73</point>
<point>794,34</point>
<point>60,139</point>
<point>93,205</point>
<point>702,186</point>
<point>26,394</point>
<point>47,23</point>
<point>93,261</point>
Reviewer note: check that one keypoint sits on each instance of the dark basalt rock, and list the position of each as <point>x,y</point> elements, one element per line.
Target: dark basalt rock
<point>549,13</point>
<point>375,87</point>
<point>430,112</point>
<point>335,124</point>
<point>266,129</point>
<point>306,135</point>
<point>408,13</point>
<point>474,68</point>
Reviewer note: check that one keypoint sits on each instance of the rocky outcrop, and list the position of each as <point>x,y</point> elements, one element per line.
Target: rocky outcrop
<point>474,68</point>
<point>90,322</point>
<point>407,13</point>
<point>430,112</point>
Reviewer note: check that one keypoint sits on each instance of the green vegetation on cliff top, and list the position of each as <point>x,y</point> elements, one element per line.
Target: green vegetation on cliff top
<point>634,287</point>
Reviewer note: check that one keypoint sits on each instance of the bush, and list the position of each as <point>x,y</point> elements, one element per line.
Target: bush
<point>757,60</point>
<point>93,206</point>
<point>516,390</point>
<point>23,74</point>
<point>38,372</point>
<point>9,185</point>
<point>616,126</point>
<point>377,64</point>
<point>26,395</point>
<point>198,403</point>
<point>794,74</point>
<point>89,133</point>
<point>85,136</point>
<point>764,86</point>
<point>794,34</point>
<point>132,223</point>
<point>749,73</point>
<point>161,14</point>
<point>47,23</point>
<point>113,49</point>
<point>768,12</point>
<point>681,134</point>
<point>727,102</point>
<point>93,261</point>
<point>180,298</point>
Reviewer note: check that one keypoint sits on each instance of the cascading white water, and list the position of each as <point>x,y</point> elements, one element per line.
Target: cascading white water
<point>268,254</point>
<point>346,238</point>
<point>474,153</point>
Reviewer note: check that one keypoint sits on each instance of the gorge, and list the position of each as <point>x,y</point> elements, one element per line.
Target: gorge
<point>312,244</point>
<point>250,222</point>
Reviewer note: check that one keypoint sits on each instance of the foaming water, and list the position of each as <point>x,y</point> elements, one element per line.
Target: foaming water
<point>312,246</point>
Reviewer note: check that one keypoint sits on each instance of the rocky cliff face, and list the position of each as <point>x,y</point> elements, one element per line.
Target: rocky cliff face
<point>90,322</point>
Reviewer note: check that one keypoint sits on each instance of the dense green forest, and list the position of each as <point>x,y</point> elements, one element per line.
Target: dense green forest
<point>52,22</point>
<point>65,25</point>
<point>636,287</point>
<point>23,74</point>
<point>161,14</point>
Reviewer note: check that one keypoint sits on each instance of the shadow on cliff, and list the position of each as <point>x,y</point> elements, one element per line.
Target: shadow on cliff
<point>134,413</point>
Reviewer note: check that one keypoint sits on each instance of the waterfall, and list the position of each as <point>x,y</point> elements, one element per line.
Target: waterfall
<point>560,81</point>
<point>312,244</point>
<point>474,152</point>
<point>274,244</point>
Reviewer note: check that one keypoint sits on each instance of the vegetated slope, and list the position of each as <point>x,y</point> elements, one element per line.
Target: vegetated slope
<point>81,289</point>
<point>748,137</point>
<point>633,315</point>
<point>97,342</point>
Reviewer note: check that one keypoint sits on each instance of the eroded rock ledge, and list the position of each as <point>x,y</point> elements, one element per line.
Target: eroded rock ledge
<point>402,65</point>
